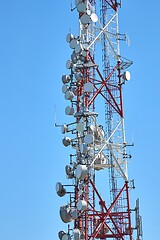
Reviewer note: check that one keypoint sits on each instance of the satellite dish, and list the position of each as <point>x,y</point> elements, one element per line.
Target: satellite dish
<point>88,139</point>
<point>65,88</point>
<point>69,37</point>
<point>65,79</point>
<point>127,76</point>
<point>69,95</point>
<point>80,127</point>
<point>65,214</point>
<point>69,172</point>
<point>61,191</point>
<point>68,169</point>
<point>69,110</point>
<point>81,205</point>
<point>64,128</point>
<point>85,19</point>
<point>69,64</point>
<point>94,17</point>
<point>78,76</point>
<point>60,234</point>
<point>88,87</point>
<point>81,171</point>
<point>88,12</point>
<point>73,57</point>
<point>78,48</point>
<point>81,7</point>
<point>66,141</point>
<point>73,43</point>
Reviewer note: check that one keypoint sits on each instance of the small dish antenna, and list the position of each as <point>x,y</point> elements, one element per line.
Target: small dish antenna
<point>65,214</point>
<point>69,110</point>
<point>69,64</point>
<point>81,7</point>
<point>61,191</point>
<point>66,141</point>
<point>81,205</point>
<point>65,88</point>
<point>80,127</point>
<point>88,87</point>
<point>66,79</point>
<point>64,128</point>
<point>73,43</point>
<point>69,95</point>
<point>127,76</point>
<point>85,19</point>
<point>69,37</point>
<point>60,234</point>
<point>94,17</point>
<point>81,171</point>
<point>88,139</point>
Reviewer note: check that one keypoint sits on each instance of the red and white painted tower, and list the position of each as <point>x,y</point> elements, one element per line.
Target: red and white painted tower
<point>93,88</point>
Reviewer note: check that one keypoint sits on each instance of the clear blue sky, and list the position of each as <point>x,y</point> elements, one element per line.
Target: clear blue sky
<point>33,53</point>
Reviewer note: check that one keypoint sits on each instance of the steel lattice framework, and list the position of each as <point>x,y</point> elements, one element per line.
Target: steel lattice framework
<point>97,71</point>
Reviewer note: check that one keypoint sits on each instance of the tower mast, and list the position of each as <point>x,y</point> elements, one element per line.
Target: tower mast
<point>97,70</point>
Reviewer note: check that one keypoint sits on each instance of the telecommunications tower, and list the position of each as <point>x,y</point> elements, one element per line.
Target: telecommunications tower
<point>95,76</point>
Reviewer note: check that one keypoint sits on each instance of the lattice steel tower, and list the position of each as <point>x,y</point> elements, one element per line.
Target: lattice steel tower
<point>93,86</point>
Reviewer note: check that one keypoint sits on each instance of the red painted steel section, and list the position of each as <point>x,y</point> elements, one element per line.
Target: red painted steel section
<point>129,212</point>
<point>109,102</point>
<point>106,214</point>
<point>115,105</point>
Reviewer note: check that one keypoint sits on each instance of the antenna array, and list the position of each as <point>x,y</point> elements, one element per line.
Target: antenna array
<point>97,71</point>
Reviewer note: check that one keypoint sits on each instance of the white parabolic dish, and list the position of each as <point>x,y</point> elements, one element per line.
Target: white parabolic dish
<point>94,17</point>
<point>68,64</point>
<point>127,76</point>
<point>81,171</point>
<point>88,87</point>
<point>88,139</point>
<point>64,128</point>
<point>73,43</point>
<point>81,205</point>
<point>85,19</point>
<point>80,127</point>
<point>81,7</point>
<point>69,110</point>
<point>65,88</point>
<point>69,37</point>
